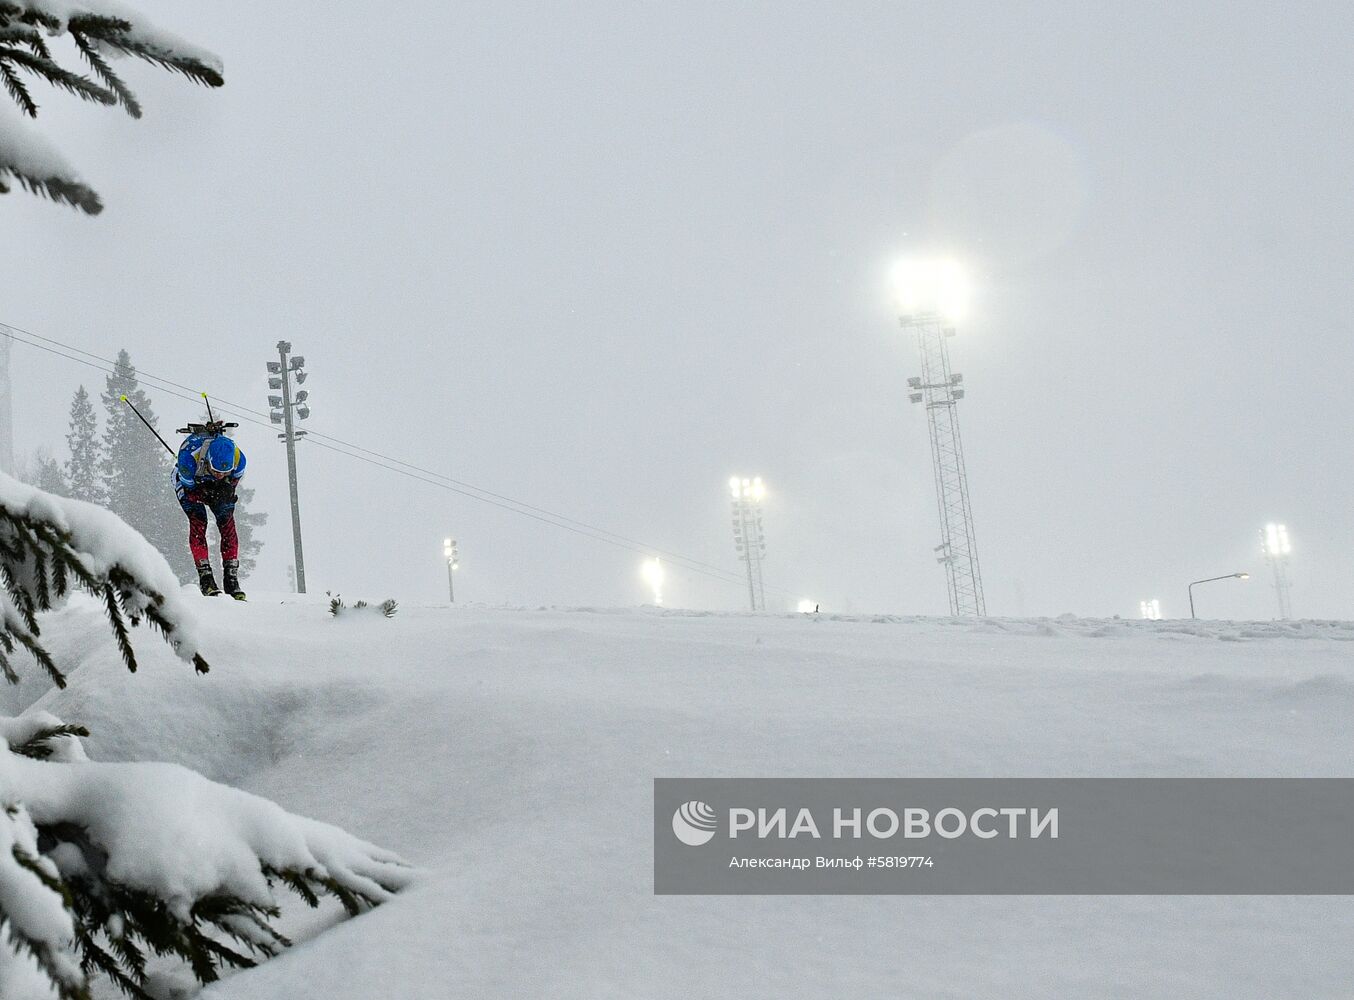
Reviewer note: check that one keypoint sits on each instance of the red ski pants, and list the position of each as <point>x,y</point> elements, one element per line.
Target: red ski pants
<point>195,504</point>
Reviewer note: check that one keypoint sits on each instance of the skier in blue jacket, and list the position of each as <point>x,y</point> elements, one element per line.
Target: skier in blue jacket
<point>208,472</point>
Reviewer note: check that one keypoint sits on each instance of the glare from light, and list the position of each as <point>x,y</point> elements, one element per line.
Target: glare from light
<point>748,489</point>
<point>1151,610</point>
<point>808,606</point>
<point>652,572</point>
<point>930,288</point>
<point>1276,540</point>
<point>1243,576</point>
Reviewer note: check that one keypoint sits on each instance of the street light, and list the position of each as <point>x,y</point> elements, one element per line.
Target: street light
<point>652,572</point>
<point>1211,579</point>
<point>453,563</point>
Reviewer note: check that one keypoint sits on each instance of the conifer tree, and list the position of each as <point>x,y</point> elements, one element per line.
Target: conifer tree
<point>137,472</point>
<point>72,903</point>
<point>47,475</point>
<point>100,30</point>
<point>84,476</point>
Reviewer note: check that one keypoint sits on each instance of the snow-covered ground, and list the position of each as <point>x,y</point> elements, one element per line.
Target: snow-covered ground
<point>511,753</point>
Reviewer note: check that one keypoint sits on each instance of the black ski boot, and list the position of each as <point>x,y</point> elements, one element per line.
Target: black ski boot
<point>230,576</point>
<point>206,581</point>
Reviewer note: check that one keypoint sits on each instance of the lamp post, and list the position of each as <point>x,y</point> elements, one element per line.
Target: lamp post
<point>453,561</point>
<point>652,572</point>
<point>1212,579</point>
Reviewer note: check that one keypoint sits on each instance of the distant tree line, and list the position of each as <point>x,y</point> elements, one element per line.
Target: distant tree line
<point>126,470</point>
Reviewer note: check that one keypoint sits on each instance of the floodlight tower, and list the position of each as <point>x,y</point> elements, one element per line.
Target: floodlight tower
<point>930,297</point>
<point>453,558</point>
<point>652,572</point>
<point>1275,545</point>
<point>281,408</point>
<point>747,534</point>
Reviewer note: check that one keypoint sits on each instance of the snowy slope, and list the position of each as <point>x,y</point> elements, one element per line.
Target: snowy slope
<point>511,753</point>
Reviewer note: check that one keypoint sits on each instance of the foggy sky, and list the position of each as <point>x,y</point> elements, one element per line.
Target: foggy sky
<point>601,257</point>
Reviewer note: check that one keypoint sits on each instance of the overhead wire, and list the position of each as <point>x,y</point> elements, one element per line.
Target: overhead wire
<point>380,460</point>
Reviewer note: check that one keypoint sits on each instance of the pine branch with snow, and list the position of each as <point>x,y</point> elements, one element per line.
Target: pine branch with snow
<point>99,29</point>
<point>122,861</point>
<point>49,545</point>
<point>105,864</point>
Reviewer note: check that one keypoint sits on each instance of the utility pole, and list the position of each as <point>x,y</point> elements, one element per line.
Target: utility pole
<point>748,539</point>
<point>928,298</point>
<point>281,372</point>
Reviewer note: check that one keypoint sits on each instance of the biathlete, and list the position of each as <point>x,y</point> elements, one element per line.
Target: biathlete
<point>208,473</point>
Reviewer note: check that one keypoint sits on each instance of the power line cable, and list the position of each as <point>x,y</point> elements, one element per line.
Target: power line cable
<point>386,462</point>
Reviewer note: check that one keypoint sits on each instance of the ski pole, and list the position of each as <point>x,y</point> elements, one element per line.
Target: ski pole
<point>148,426</point>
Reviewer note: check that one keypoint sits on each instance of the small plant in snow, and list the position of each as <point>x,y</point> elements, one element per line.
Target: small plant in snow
<point>386,608</point>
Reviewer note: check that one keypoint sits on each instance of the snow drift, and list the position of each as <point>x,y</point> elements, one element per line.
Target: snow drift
<point>510,754</point>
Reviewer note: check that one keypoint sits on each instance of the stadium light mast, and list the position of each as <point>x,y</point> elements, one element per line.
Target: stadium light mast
<point>285,409</point>
<point>930,299</point>
<point>453,558</point>
<point>1276,548</point>
<point>652,572</point>
<point>748,539</point>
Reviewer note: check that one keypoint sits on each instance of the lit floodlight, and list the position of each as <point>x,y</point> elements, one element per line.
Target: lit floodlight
<point>936,288</point>
<point>652,572</point>
<point>1151,610</point>
<point>1276,540</point>
<point>808,606</point>
<point>1243,576</point>
<point>748,489</point>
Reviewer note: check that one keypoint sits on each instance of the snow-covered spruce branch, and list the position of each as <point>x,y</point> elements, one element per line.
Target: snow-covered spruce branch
<point>100,30</point>
<point>50,545</point>
<point>109,863</point>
